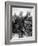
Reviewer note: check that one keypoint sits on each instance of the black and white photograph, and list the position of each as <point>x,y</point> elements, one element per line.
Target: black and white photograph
<point>21,22</point>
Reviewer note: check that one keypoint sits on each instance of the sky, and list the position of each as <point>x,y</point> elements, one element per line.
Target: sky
<point>18,10</point>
